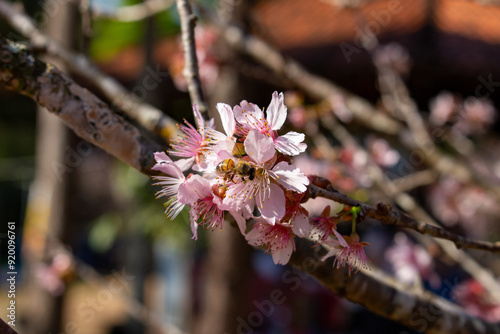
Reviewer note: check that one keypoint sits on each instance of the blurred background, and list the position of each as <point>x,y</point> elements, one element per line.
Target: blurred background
<point>95,251</point>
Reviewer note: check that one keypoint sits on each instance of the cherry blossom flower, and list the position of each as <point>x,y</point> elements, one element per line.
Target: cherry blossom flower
<point>325,225</point>
<point>170,184</point>
<point>264,190</point>
<point>381,152</point>
<point>411,262</point>
<point>245,167</point>
<point>476,300</point>
<point>352,255</point>
<point>250,116</point>
<point>197,145</point>
<point>296,214</point>
<point>476,116</point>
<point>442,108</point>
<point>277,237</point>
<point>197,193</point>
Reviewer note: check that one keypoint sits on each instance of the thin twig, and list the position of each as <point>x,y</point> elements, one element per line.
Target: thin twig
<point>315,86</point>
<point>191,71</point>
<point>386,215</point>
<point>146,115</point>
<point>395,91</point>
<point>415,180</point>
<point>394,191</point>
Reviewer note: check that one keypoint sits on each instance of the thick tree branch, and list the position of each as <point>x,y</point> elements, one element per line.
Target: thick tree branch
<point>383,295</point>
<point>146,115</point>
<point>191,71</point>
<point>6,329</point>
<point>89,117</point>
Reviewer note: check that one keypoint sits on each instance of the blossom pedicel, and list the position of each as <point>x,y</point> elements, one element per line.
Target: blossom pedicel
<point>242,171</point>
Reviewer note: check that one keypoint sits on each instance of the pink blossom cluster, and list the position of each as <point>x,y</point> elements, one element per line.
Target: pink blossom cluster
<point>246,172</point>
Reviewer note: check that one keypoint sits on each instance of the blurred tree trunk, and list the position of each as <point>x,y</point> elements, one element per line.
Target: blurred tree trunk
<point>47,198</point>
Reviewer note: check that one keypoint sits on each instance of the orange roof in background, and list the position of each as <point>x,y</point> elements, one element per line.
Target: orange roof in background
<point>301,24</point>
<point>295,23</point>
<point>469,19</point>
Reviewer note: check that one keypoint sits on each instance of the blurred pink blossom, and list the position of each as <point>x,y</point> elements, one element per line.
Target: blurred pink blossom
<point>476,116</point>
<point>395,56</point>
<point>411,262</point>
<point>455,203</point>
<point>381,152</point>
<point>442,108</point>
<point>476,300</point>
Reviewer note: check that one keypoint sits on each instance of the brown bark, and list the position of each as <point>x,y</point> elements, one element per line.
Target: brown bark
<point>420,310</point>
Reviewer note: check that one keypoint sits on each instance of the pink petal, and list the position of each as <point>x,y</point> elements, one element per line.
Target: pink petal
<point>227,118</point>
<point>242,223</point>
<point>290,177</point>
<point>162,157</point>
<point>340,238</point>
<point>234,199</point>
<point>165,165</point>
<point>193,189</point>
<point>291,143</point>
<point>200,122</point>
<point>245,108</point>
<point>194,226</point>
<point>259,147</point>
<point>272,208</point>
<point>184,164</point>
<point>276,112</point>
<point>282,256</point>
<point>254,237</point>
<point>300,225</point>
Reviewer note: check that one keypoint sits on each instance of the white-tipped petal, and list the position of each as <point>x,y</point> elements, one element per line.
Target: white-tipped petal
<point>276,112</point>
<point>291,143</point>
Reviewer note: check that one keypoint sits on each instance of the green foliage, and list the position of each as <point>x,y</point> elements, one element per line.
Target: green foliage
<point>141,213</point>
<point>110,37</point>
<point>103,232</point>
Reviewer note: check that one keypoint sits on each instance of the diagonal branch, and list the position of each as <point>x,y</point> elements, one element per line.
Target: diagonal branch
<point>386,215</point>
<point>6,329</point>
<point>89,117</point>
<point>146,115</point>
<point>424,312</point>
<point>315,86</point>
